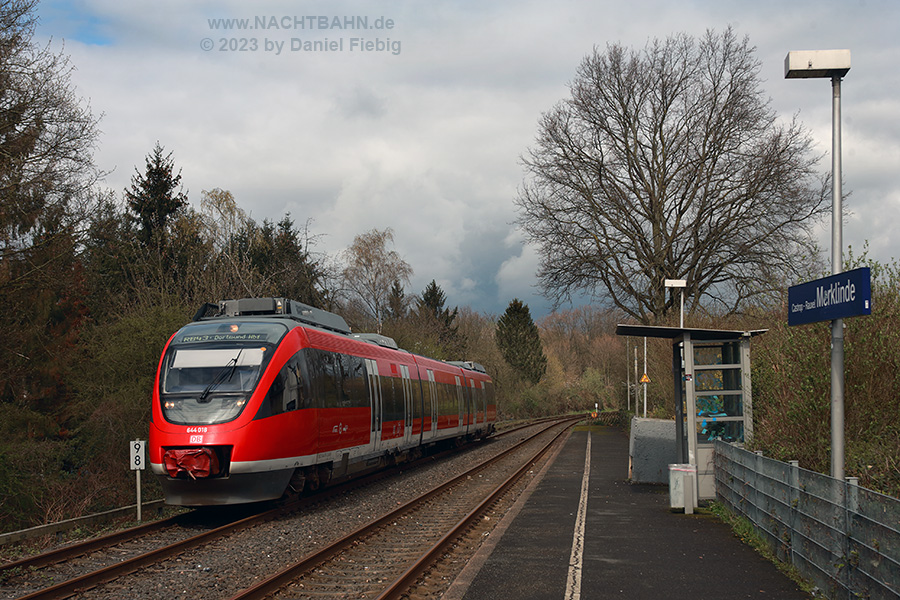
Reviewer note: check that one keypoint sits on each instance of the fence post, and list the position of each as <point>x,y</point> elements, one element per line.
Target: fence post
<point>757,470</point>
<point>795,503</point>
<point>851,508</point>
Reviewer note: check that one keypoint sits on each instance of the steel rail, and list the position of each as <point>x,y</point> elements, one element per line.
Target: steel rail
<point>77,584</point>
<point>401,584</point>
<point>58,555</point>
<point>278,580</point>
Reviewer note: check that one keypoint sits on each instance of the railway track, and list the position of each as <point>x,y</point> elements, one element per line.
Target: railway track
<point>111,557</point>
<point>387,557</point>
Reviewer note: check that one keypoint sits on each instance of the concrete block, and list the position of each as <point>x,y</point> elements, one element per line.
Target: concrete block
<point>651,450</point>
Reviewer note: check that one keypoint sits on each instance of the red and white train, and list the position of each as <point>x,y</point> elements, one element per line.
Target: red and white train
<point>261,395</point>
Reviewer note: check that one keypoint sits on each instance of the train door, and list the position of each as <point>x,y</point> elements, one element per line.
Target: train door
<point>374,403</point>
<point>482,405</point>
<point>473,402</point>
<point>431,406</point>
<point>407,405</point>
<point>461,402</point>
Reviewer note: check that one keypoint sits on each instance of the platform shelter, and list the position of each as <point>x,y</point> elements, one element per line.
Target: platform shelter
<point>713,399</point>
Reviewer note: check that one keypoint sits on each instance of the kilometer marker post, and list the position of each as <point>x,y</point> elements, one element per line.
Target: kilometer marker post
<point>137,448</point>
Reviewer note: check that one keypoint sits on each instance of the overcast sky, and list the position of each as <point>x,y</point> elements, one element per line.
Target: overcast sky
<point>419,125</point>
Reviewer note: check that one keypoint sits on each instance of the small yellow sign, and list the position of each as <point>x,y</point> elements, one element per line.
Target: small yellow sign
<point>645,379</point>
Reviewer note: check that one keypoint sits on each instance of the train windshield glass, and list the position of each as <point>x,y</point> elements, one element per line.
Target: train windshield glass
<point>211,369</point>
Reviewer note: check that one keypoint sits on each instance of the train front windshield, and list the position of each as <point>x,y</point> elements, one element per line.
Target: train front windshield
<point>211,369</point>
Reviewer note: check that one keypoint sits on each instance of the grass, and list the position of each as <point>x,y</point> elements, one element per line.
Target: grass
<point>747,533</point>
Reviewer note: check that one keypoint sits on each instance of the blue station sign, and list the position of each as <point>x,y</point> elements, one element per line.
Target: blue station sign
<point>847,294</point>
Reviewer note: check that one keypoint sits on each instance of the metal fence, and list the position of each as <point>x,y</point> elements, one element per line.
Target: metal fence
<point>843,538</point>
<point>69,524</point>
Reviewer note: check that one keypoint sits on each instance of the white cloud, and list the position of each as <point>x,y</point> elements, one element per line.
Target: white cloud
<point>427,140</point>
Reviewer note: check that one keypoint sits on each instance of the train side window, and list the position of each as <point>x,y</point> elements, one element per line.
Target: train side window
<point>344,372</point>
<point>392,399</point>
<point>316,377</point>
<point>444,404</point>
<point>304,389</point>
<point>331,375</point>
<point>356,382</point>
<point>295,395</point>
<point>387,398</point>
<point>288,390</point>
<point>274,401</point>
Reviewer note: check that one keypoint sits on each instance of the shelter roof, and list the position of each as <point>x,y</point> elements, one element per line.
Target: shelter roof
<point>674,333</point>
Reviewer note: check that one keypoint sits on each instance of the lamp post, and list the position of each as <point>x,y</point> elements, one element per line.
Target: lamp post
<point>678,283</point>
<point>833,64</point>
<point>676,367</point>
<point>644,379</point>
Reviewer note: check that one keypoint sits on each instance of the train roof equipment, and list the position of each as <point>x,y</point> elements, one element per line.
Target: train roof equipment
<point>377,339</point>
<point>468,364</point>
<point>274,307</point>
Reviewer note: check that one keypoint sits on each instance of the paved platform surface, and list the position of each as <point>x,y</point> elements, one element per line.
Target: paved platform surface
<point>633,545</point>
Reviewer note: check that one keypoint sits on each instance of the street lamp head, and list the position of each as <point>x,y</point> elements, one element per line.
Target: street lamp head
<point>806,64</point>
<point>678,283</point>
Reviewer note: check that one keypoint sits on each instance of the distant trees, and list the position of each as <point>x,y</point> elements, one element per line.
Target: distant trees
<point>669,163</point>
<point>520,342</point>
<point>275,260</point>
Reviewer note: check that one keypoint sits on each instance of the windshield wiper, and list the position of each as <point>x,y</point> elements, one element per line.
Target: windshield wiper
<point>221,376</point>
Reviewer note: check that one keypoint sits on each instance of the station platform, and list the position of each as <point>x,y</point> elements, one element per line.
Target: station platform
<point>633,546</point>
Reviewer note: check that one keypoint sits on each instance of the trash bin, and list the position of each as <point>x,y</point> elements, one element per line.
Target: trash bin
<point>682,487</point>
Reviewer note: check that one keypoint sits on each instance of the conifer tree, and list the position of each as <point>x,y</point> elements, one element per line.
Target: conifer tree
<point>398,303</point>
<point>432,304</point>
<point>434,316</point>
<point>155,195</point>
<point>520,343</point>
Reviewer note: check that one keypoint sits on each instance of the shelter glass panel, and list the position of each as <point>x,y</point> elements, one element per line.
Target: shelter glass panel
<point>717,379</point>
<point>720,405</point>
<point>712,429</point>
<point>727,353</point>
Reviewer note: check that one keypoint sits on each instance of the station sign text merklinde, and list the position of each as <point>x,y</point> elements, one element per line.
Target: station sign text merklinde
<point>847,294</point>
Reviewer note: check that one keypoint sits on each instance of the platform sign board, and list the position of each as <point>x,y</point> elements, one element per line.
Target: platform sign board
<point>847,294</point>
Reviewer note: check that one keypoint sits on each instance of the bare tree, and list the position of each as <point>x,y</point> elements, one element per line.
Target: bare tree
<point>371,271</point>
<point>47,139</point>
<point>669,163</point>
